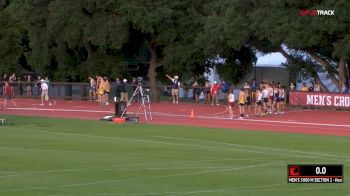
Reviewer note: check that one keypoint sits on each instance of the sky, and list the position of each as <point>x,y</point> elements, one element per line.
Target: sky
<point>271,59</point>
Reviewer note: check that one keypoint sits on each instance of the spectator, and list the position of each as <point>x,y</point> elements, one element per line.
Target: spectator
<point>311,88</point>
<point>123,92</point>
<point>317,87</point>
<point>117,87</point>
<point>196,91</point>
<point>29,86</point>
<point>343,88</point>
<point>304,88</point>
<point>253,86</point>
<point>292,86</point>
<point>214,93</point>
<point>246,85</point>
<point>207,88</point>
<point>225,88</point>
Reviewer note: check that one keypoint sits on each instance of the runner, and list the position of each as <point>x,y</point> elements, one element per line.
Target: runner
<point>257,108</point>
<point>230,101</point>
<point>106,91</point>
<point>8,94</point>
<point>276,100</point>
<point>100,91</point>
<point>92,91</point>
<point>241,103</point>
<point>265,97</point>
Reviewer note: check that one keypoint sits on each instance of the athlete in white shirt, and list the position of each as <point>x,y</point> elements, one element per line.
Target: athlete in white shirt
<point>44,92</point>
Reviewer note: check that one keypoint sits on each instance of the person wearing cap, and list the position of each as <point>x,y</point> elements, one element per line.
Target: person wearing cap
<point>44,92</point>
<point>123,92</point>
<point>175,89</point>
<point>214,93</point>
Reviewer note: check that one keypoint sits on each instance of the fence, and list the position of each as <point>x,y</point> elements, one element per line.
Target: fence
<point>80,91</point>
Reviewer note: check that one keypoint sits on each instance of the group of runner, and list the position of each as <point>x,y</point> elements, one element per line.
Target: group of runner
<point>268,98</point>
<point>101,88</point>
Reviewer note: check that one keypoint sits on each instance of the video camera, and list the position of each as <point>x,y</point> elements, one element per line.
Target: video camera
<point>139,80</point>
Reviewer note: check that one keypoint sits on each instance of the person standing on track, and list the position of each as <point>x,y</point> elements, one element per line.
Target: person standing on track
<point>207,88</point>
<point>44,92</point>
<point>257,109</point>
<point>265,97</point>
<point>241,103</point>
<point>215,93</point>
<point>92,91</point>
<point>176,87</point>
<point>100,90</point>
<point>123,92</point>
<point>106,91</point>
<point>8,94</point>
<point>231,102</point>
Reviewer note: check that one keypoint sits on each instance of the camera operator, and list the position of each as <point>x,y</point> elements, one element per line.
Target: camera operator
<point>135,82</point>
<point>123,92</point>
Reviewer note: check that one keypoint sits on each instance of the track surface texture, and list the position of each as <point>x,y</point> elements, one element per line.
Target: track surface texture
<point>306,121</point>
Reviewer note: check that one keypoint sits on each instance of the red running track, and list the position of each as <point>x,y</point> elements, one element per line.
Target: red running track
<point>323,122</point>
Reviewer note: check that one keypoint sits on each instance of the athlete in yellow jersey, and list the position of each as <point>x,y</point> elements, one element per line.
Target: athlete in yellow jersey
<point>106,91</point>
<point>241,102</point>
<point>100,90</point>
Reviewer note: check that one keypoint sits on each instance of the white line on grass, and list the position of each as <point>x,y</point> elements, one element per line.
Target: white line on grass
<point>114,169</point>
<point>172,143</point>
<point>117,167</point>
<point>145,178</point>
<point>256,147</point>
<point>178,144</point>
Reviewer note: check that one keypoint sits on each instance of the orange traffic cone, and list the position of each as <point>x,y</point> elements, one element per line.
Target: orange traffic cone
<point>192,113</point>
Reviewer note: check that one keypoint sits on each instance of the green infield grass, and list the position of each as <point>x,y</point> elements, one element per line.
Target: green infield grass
<point>49,156</point>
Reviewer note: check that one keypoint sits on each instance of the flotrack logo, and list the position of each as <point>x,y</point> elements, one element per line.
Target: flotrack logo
<point>307,12</point>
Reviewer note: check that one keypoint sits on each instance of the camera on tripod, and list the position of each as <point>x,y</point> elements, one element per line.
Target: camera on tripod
<point>139,80</point>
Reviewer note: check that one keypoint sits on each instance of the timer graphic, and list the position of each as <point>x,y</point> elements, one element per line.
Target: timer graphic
<point>307,173</point>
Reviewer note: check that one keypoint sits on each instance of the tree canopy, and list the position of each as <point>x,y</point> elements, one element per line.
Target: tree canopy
<point>70,40</point>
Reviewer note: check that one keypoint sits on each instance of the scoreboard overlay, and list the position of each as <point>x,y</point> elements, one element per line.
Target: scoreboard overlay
<point>315,173</point>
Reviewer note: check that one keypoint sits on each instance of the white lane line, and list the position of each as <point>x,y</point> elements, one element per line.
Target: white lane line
<point>145,178</point>
<point>59,110</point>
<point>187,116</point>
<point>255,147</point>
<point>256,120</point>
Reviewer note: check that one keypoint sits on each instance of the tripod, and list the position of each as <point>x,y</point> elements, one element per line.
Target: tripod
<point>144,97</point>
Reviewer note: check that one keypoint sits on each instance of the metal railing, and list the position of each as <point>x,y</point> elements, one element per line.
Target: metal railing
<point>80,91</point>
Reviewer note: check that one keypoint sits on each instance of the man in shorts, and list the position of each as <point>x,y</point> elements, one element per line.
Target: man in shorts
<point>175,90</point>
<point>44,92</point>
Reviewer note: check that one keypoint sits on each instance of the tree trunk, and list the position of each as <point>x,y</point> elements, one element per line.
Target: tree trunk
<point>152,75</point>
<point>342,71</point>
<point>323,87</point>
<point>328,67</point>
